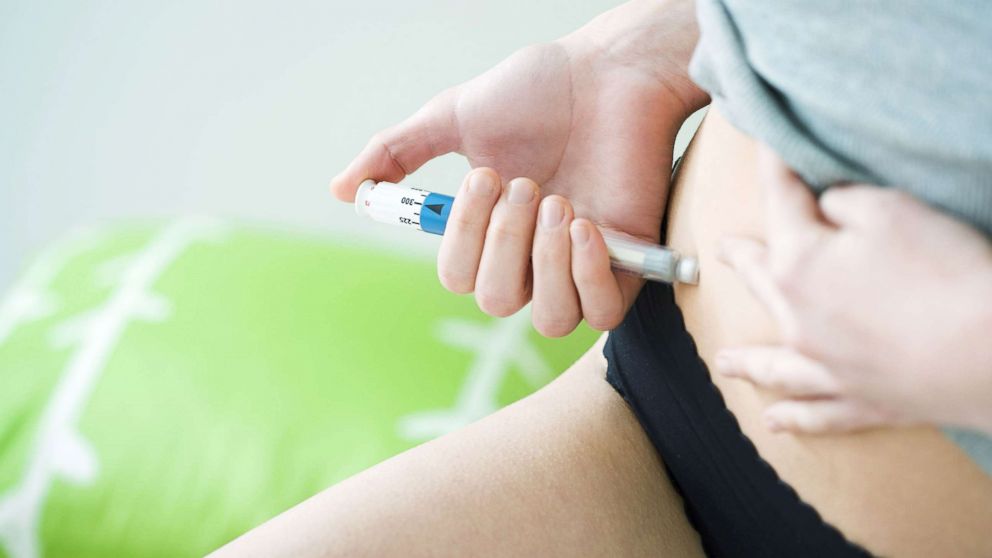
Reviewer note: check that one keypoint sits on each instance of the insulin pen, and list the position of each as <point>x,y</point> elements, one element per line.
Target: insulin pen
<point>428,212</point>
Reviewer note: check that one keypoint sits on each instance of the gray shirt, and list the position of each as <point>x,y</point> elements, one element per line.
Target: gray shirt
<point>890,92</point>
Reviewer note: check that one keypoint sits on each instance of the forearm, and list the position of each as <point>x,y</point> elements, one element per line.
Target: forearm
<point>655,37</point>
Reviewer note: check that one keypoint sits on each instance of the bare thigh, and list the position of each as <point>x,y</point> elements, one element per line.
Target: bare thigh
<point>565,472</point>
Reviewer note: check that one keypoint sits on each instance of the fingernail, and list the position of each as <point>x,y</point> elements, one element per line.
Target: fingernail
<point>521,191</point>
<point>579,232</point>
<point>481,184</point>
<point>552,213</point>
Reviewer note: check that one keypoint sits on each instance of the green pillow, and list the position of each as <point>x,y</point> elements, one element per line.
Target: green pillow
<point>166,388</point>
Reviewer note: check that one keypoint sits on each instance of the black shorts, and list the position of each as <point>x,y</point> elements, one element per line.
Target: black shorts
<point>732,496</point>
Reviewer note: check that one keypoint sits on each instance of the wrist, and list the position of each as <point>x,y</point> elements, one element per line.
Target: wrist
<point>653,38</point>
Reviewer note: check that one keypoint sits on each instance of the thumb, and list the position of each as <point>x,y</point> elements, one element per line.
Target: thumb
<point>394,153</point>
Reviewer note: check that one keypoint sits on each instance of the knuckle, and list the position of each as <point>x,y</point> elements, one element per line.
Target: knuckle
<point>550,255</point>
<point>606,321</point>
<point>456,281</point>
<point>897,199</point>
<point>527,180</point>
<point>848,195</point>
<point>465,222</point>
<point>504,232</point>
<point>590,273</point>
<point>840,384</point>
<point>886,204</point>
<point>787,273</point>
<point>836,422</point>
<point>379,143</point>
<point>378,139</point>
<point>758,367</point>
<point>497,304</point>
<point>774,378</point>
<point>830,423</point>
<point>784,275</point>
<point>809,421</point>
<point>554,326</point>
<point>831,196</point>
<point>566,205</point>
<point>904,210</point>
<point>884,219</point>
<point>795,334</point>
<point>583,273</point>
<point>795,337</point>
<point>799,420</point>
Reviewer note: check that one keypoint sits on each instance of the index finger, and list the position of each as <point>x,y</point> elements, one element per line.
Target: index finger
<point>398,151</point>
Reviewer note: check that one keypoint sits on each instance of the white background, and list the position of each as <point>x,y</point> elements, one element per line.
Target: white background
<point>242,109</point>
